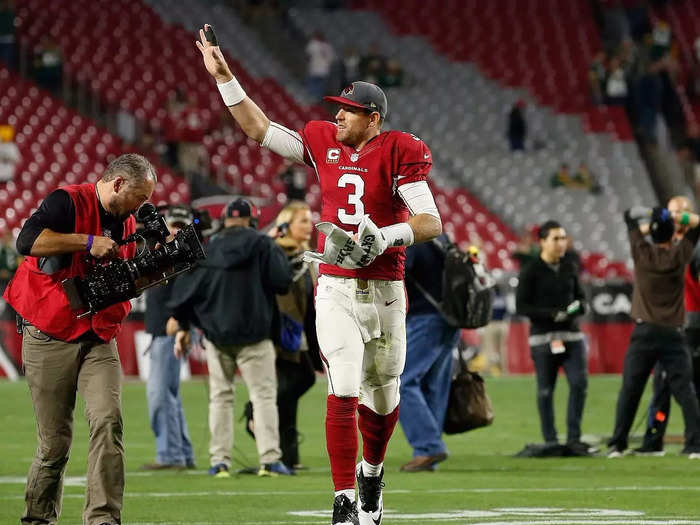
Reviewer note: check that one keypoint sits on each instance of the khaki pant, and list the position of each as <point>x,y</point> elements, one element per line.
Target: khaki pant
<point>494,345</point>
<point>257,365</point>
<point>55,370</point>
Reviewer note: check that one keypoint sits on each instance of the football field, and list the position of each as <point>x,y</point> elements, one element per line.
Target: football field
<point>481,483</point>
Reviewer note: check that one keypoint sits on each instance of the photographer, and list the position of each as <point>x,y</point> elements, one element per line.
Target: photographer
<point>231,297</point>
<point>165,411</point>
<point>657,307</point>
<point>63,354</point>
<point>550,294</point>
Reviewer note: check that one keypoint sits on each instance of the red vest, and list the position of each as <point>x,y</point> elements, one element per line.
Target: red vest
<point>692,292</point>
<point>39,297</point>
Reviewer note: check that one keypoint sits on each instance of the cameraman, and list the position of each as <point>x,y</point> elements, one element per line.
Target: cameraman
<point>231,297</point>
<point>657,307</point>
<point>165,411</point>
<point>63,354</point>
<point>550,294</point>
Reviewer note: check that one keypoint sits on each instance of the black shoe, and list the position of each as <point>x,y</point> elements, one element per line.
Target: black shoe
<point>579,448</point>
<point>693,452</point>
<point>369,489</point>
<point>344,511</point>
<point>646,450</point>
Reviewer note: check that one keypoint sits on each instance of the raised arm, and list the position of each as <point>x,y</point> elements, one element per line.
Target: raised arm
<point>246,113</point>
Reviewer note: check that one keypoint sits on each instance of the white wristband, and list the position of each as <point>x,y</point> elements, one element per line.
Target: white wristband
<point>231,92</point>
<point>400,234</point>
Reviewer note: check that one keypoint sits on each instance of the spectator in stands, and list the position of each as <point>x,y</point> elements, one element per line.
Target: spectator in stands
<point>10,155</point>
<point>48,65</point>
<point>231,297</point>
<point>294,178</point>
<point>615,83</point>
<point>596,77</point>
<point>657,307</point>
<point>660,404</point>
<point>321,56</point>
<point>550,294</point>
<point>7,32</point>
<point>562,177</point>
<point>165,411</point>
<point>583,178</point>
<point>517,127</point>
<point>425,382</point>
<point>392,76</point>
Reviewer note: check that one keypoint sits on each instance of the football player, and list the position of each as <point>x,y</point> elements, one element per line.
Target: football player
<point>375,202</point>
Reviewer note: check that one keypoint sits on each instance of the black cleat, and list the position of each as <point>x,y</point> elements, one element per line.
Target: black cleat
<point>344,511</point>
<point>369,490</point>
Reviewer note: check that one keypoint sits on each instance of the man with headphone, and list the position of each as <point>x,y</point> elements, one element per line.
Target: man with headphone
<point>231,297</point>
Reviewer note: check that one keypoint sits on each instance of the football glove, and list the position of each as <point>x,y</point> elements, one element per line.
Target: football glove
<point>371,241</point>
<point>339,248</point>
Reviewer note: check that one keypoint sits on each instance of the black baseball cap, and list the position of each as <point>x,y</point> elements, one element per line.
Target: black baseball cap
<point>240,207</point>
<point>362,95</point>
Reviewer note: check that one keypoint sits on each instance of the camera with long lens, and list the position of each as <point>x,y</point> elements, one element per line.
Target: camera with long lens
<point>118,280</point>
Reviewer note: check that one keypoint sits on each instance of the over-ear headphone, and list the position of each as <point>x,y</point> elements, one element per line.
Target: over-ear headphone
<point>242,207</point>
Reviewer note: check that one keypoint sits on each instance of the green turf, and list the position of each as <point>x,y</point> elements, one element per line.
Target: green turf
<point>480,474</point>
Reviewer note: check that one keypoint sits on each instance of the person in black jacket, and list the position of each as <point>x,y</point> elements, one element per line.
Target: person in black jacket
<point>550,294</point>
<point>231,297</point>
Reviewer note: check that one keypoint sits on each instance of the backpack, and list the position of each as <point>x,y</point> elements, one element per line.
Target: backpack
<point>467,289</point>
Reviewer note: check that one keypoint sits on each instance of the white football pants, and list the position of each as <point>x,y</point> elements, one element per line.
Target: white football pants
<point>361,329</point>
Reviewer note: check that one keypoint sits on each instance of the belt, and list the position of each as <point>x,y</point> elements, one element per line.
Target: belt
<point>541,339</point>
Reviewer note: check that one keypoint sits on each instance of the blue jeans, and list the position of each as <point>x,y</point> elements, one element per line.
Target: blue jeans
<point>425,382</point>
<point>173,446</point>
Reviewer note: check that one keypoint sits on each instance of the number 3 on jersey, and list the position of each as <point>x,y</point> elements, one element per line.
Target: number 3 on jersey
<point>354,198</point>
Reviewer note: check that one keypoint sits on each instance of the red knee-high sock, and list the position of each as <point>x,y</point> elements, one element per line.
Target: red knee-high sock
<point>376,431</point>
<point>341,440</point>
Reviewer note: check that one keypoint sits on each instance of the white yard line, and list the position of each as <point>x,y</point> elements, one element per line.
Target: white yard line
<point>77,480</point>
